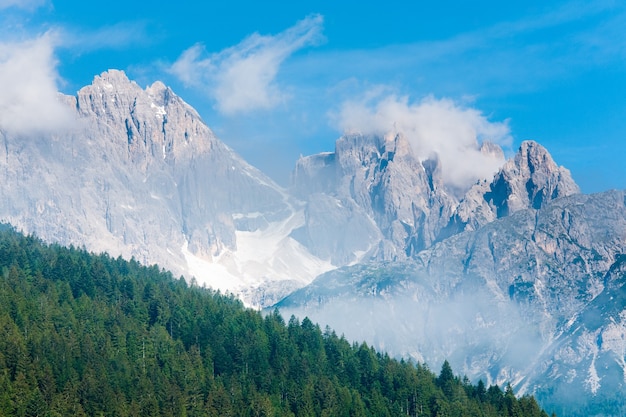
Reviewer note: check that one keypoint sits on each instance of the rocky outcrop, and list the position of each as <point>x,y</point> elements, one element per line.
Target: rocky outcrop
<point>530,180</point>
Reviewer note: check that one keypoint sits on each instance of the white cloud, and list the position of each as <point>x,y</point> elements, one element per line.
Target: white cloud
<point>243,78</point>
<point>433,126</point>
<point>29,102</point>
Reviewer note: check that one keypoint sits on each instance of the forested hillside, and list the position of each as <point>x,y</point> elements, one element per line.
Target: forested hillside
<point>87,334</point>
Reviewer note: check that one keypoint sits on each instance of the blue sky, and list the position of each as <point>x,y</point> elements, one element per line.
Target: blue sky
<point>278,79</point>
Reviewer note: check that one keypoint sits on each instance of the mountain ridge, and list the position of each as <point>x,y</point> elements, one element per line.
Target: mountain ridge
<point>141,175</point>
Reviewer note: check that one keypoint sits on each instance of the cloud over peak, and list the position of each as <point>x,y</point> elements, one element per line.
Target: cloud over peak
<point>29,103</point>
<point>440,127</point>
<point>242,78</point>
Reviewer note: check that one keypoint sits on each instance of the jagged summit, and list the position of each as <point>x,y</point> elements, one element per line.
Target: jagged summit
<point>530,179</point>
<point>156,122</point>
<point>404,205</point>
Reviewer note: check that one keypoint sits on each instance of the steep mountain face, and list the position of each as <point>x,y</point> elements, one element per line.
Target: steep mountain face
<point>388,192</point>
<point>140,175</point>
<point>535,298</point>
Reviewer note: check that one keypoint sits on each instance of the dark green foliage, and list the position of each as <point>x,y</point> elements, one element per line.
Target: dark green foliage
<point>88,335</point>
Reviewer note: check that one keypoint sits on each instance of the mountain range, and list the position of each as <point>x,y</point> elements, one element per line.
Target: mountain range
<point>514,278</point>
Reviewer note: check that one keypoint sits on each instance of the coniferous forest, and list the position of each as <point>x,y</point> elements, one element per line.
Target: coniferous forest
<point>86,334</point>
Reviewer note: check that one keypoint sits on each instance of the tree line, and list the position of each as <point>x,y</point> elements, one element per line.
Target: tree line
<point>93,335</point>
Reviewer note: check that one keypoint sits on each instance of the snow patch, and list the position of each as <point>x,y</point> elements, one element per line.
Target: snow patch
<point>263,257</point>
<point>593,381</point>
<point>254,215</point>
<point>159,110</point>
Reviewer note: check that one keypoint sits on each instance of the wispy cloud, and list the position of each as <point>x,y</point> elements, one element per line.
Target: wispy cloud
<point>29,102</point>
<point>243,78</point>
<point>22,4</point>
<point>121,35</point>
<point>440,127</point>
<point>516,56</point>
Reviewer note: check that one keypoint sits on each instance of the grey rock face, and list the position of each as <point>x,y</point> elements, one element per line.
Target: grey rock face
<point>401,200</point>
<point>523,299</point>
<point>531,179</point>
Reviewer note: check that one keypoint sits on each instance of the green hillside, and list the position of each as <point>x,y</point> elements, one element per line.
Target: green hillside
<point>86,334</point>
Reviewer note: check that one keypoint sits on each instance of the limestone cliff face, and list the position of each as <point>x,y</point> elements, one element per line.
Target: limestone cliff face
<point>530,180</point>
<point>399,202</point>
<point>140,175</point>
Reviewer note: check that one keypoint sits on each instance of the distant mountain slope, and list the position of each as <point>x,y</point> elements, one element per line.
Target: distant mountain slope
<point>534,298</point>
<point>93,335</point>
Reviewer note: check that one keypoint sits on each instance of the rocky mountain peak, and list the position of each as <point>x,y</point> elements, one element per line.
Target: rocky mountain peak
<point>405,202</point>
<point>491,149</point>
<point>157,90</point>
<point>152,125</point>
<point>397,201</point>
<point>142,176</point>
<point>530,179</point>
<point>113,79</point>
